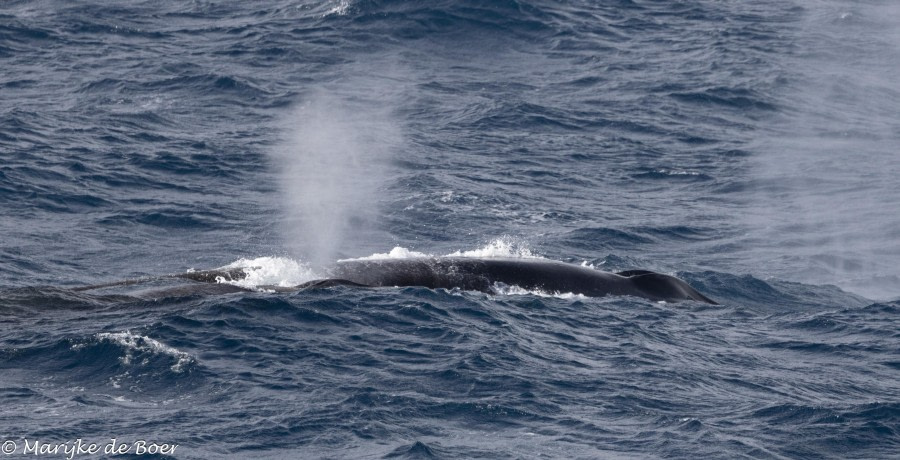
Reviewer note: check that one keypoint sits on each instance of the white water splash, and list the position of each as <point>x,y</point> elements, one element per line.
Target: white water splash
<point>397,253</point>
<point>504,247</point>
<point>509,290</point>
<point>271,271</point>
<point>340,8</point>
<point>135,343</point>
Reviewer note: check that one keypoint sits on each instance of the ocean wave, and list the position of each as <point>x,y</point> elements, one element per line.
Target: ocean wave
<point>138,350</point>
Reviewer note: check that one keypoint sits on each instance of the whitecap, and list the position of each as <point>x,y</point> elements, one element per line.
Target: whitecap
<point>135,343</point>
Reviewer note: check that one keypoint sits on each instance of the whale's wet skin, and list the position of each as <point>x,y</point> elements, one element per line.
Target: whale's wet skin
<point>473,274</point>
<point>532,274</point>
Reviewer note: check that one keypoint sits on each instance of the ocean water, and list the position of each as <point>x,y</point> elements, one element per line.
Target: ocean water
<point>749,148</point>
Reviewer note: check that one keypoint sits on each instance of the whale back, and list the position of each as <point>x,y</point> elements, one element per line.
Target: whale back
<point>532,274</point>
<point>486,275</point>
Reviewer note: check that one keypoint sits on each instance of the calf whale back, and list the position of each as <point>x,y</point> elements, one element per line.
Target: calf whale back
<point>532,274</point>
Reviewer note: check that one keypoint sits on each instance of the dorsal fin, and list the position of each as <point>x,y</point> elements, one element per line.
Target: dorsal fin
<point>628,273</point>
<point>657,286</point>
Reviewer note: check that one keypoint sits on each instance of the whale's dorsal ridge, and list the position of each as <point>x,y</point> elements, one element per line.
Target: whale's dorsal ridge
<point>657,286</point>
<point>629,273</point>
<point>327,283</point>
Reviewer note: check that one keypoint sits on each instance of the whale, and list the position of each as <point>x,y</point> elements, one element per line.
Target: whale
<point>489,275</point>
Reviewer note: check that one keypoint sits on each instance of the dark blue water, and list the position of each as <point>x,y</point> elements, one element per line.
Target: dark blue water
<point>749,148</point>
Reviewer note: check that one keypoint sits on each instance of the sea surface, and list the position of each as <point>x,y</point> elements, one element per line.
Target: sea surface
<point>749,148</point>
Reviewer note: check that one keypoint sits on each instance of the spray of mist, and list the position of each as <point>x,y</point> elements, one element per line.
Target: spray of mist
<point>828,177</point>
<point>332,166</point>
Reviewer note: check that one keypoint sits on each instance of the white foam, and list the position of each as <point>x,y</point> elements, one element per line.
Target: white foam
<point>504,247</point>
<point>271,271</point>
<point>138,343</point>
<point>339,9</point>
<point>677,172</point>
<point>397,253</point>
<point>506,290</point>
